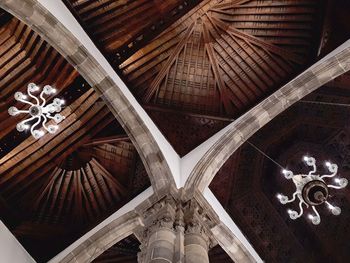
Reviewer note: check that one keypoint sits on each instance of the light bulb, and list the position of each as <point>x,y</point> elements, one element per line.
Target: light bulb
<point>336,210</point>
<point>19,95</point>
<point>328,164</point>
<point>31,86</point>
<point>52,128</point>
<point>38,134</point>
<point>57,101</point>
<point>13,111</point>
<point>293,214</point>
<point>316,220</point>
<point>287,174</point>
<point>283,199</point>
<point>20,127</point>
<point>58,118</point>
<point>48,90</point>
<point>343,182</point>
<point>310,161</point>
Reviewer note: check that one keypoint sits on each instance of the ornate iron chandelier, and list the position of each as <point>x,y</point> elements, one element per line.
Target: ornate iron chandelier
<point>312,190</point>
<point>38,111</point>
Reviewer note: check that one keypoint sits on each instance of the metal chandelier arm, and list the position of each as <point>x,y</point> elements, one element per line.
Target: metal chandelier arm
<point>312,190</point>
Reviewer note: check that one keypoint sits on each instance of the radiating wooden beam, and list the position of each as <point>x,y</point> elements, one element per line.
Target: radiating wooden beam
<point>165,69</point>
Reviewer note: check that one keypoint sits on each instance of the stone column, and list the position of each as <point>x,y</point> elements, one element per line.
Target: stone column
<point>180,236</point>
<point>159,236</point>
<point>175,232</point>
<point>196,244</point>
<point>197,234</point>
<point>161,243</point>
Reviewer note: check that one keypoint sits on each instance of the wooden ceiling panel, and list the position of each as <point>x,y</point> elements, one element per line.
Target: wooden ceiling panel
<point>207,63</point>
<point>287,24</point>
<point>69,180</point>
<point>120,26</point>
<point>212,58</point>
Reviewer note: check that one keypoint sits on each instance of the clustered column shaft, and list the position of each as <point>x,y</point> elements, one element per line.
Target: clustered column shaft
<point>175,232</point>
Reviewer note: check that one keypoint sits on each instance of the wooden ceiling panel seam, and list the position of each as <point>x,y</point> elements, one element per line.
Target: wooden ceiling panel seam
<point>107,195</point>
<point>7,43</point>
<point>47,187</point>
<point>152,57</point>
<point>121,189</point>
<point>257,41</point>
<point>90,193</point>
<point>109,9</point>
<point>242,77</point>
<point>215,66</point>
<point>136,10</point>
<point>158,43</point>
<point>90,6</point>
<point>156,82</point>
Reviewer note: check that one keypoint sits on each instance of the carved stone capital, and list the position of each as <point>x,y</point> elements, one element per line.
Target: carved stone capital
<point>182,219</point>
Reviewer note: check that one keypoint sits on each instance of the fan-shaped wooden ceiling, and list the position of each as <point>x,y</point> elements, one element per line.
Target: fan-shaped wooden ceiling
<point>54,189</point>
<point>209,66</point>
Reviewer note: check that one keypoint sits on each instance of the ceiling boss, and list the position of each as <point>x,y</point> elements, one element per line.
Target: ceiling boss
<point>39,112</point>
<point>312,190</point>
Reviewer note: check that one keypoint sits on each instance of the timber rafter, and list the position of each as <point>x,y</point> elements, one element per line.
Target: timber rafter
<point>212,62</point>
<point>120,28</point>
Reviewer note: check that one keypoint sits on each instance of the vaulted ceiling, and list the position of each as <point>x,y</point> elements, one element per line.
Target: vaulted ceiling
<point>209,66</point>
<point>194,66</point>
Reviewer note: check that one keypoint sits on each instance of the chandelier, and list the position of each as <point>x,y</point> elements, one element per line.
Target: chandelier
<point>312,190</point>
<point>38,111</point>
